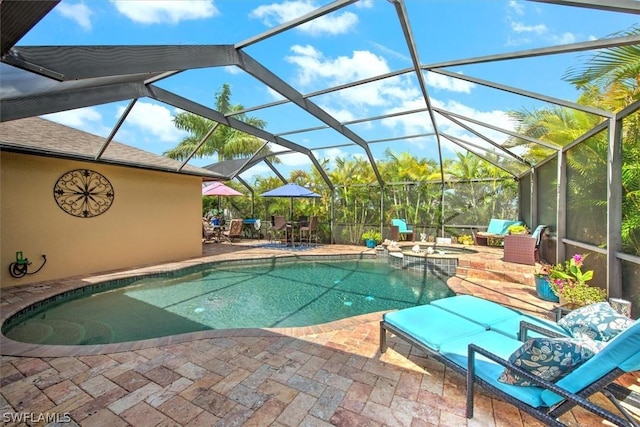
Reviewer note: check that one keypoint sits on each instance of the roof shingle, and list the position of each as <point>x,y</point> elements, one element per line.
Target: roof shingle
<point>43,137</point>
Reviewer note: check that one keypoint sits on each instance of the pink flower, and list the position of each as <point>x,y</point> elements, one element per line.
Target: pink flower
<point>577,259</point>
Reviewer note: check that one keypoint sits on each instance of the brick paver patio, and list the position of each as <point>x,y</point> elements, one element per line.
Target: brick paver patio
<point>325,375</point>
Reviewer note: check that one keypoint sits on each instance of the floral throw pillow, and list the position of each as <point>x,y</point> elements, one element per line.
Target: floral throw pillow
<point>597,321</point>
<point>549,358</point>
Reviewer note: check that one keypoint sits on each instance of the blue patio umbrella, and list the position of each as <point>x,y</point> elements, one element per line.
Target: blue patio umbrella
<point>292,191</point>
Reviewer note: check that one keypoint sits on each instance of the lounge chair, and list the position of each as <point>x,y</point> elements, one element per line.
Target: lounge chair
<point>234,231</point>
<point>476,337</point>
<point>494,236</point>
<point>523,248</point>
<point>400,230</point>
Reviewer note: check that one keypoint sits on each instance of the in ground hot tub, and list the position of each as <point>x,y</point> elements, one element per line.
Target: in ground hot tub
<point>430,258</point>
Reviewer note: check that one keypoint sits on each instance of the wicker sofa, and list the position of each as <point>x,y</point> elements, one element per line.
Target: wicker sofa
<point>496,231</point>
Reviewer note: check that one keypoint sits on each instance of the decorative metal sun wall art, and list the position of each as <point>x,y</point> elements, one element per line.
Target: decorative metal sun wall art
<point>83,193</point>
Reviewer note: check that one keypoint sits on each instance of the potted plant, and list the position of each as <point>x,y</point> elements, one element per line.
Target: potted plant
<point>518,229</point>
<point>543,287</point>
<point>465,239</point>
<point>569,283</point>
<point>371,238</point>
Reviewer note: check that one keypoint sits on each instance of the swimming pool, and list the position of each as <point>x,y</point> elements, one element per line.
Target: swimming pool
<point>274,295</point>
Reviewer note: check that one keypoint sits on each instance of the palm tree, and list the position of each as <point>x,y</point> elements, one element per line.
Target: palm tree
<point>616,70</point>
<point>225,142</point>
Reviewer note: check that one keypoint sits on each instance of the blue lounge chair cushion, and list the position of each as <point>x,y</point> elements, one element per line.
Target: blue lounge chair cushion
<point>501,226</point>
<point>549,358</point>
<point>621,352</point>
<point>457,351</point>
<point>431,325</point>
<point>597,321</point>
<point>478,310</point>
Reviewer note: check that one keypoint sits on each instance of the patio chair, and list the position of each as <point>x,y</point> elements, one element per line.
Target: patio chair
<point>523,248</point>
<point>278,228</point>
<point>476,338</point>
<point>400,230</point>
<point>208,232</point>
<point>310,230</point>
<point>234,231</point>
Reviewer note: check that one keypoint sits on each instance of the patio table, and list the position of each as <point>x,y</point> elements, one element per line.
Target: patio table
<point>290,230</point>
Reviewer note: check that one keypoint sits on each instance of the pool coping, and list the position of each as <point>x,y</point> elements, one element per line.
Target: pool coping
<point>43,291</point>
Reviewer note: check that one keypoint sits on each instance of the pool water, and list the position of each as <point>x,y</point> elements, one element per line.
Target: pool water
<point>274,295</point>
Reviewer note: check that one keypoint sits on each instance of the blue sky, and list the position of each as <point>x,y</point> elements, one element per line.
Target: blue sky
<point>358,41</point>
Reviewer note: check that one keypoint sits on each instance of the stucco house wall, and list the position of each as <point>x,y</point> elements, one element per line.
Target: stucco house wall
<point>155,217</point>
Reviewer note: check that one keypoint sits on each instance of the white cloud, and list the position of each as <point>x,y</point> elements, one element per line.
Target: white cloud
<point>516,7</point>
<point>295,159</point>
<point>439,81</point>
<point>86,119</point>
<point>409,124</point>
<point>154,120</point>
<point>330,154</point>
<point>76,118</point>
<point>79,13</point>
<point>390,52</point>
<point>342,115</point>
<point>162,11</point>
<point>333,23</point>
<point>364,4</point>
<point>420,122</point>
<point>233,69</point>
<point>275,95</point>
<point>519,27</point>
<point>312,65</point>
<point>565,38</point>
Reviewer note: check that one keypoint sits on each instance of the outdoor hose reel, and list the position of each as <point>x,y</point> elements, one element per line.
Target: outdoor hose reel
<point>19,268</point>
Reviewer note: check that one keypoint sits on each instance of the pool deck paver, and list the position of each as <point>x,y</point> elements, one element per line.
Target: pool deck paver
<point>324,375</point>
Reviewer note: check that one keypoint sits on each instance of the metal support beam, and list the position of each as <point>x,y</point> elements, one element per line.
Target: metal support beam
<point>197,147</point>
<point>624,6</point>
<point>533,182</point>
<point>87,62</point>
<point>115,129</point>
<point>257,70</point>
<point>561,213</point>
<point>332,7</point>
<point>465,145</point>
<point>484,138</point>
<point>211,114</point>
<point>529,94</point>
<point>251,160</point>
<point>54,102</point>
<point>614,208</point>
<point>403,17</point>
<point>550,145</point>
